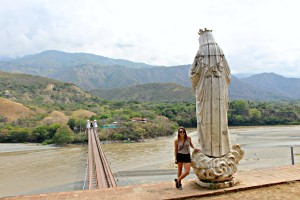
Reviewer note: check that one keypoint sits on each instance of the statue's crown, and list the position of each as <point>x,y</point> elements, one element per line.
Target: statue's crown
<point>201,31</point>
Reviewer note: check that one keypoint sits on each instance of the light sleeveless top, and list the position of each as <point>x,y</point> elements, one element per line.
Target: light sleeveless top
<point>185,149</point>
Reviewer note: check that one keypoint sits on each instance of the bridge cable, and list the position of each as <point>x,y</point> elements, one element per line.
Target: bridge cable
<point>86,172</point>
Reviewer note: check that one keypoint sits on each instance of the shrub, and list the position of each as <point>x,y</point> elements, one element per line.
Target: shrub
<point>40,133</point>
<point>63,135</point>
<point>18,135</point>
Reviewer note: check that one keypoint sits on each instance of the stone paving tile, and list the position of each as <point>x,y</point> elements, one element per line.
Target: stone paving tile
<point>167,190</point>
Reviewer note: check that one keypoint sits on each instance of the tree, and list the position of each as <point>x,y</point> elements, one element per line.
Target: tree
<point>117,136</point>
<point>239,106</point>
<point>255,114</point>
<point>4,133</point>
<point>148,114</point>
<point>93,117</point>
<point>72,123</point>
<point>124,117</point>
<point>52,129</point>
<point>19,135</point>
<point>141,132</point>
<point>80,124</point>
<point>104,116</point>
<point>40,133</point>
<point>63,135</point>
<point>239,120</point>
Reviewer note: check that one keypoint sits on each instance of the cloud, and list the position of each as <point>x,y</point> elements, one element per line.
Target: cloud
<point>254,35</point>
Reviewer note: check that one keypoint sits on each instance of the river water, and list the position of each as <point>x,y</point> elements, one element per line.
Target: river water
<point>32,168</point>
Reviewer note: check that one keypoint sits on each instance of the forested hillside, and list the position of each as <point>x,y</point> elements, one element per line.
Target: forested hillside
<point>39,91</point>
<point>173,92</point>
<point>289,87</point>
<point>152,92</point>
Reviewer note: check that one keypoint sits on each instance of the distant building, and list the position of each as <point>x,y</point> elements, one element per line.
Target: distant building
<point>138,119</point>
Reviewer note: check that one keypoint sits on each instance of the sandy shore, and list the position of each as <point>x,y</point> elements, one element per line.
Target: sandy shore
<point>289,190</point>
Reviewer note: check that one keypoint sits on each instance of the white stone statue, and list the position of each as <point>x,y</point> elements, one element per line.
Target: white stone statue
<point>210,76</point>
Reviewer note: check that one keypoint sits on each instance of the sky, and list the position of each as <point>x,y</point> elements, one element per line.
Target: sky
<point>256,36</point>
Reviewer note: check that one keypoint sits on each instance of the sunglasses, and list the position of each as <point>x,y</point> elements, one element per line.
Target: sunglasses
<point>181,131</point>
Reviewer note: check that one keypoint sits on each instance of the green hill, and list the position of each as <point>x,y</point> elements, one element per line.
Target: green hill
<point>289,87</point>
<point>90,71</point>
<point>151,92</point>
<point>240,89</point>
<point>10,111</point>
<point>51,62</point>
<point>91,76</point>
<point>40,91</point>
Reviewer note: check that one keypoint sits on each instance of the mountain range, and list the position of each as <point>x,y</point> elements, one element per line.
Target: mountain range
<point>116,78</point>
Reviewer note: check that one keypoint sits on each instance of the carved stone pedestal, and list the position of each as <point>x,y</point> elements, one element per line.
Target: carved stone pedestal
<point>217,185</point>
<point>217,172</point>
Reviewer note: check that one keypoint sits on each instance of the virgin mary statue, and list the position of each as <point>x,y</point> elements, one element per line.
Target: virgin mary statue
<point>210,76</point>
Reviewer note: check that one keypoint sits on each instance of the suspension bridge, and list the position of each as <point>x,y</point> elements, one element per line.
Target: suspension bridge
<point>98,173</point>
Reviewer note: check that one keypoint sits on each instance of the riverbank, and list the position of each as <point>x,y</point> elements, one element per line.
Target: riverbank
<point>189,130</point>
<point>63,169</point>
<point>232,130</point>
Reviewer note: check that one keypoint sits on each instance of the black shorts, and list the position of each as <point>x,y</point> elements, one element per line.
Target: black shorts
<point>185,158</point>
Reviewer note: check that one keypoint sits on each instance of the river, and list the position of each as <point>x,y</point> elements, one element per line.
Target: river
<point>33,168</point>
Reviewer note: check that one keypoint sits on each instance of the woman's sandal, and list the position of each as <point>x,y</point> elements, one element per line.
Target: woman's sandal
<point>179,186</point>
<point>176,183</point>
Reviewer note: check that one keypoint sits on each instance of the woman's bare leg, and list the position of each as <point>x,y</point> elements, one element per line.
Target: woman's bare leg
<point>179,169</point>
<point>187,167</point>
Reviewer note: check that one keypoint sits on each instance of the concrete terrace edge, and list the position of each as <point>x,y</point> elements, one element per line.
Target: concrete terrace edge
<point>166,190</point>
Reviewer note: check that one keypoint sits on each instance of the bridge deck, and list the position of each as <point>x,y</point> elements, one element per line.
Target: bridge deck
<point>99,173</point>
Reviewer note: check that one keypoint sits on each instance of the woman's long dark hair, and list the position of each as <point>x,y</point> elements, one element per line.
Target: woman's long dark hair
<point>178,134</point>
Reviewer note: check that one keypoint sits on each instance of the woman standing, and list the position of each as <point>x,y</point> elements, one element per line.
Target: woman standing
<point>182,155</point>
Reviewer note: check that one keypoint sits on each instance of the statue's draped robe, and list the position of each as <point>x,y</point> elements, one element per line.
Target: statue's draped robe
<point>210,76</point>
